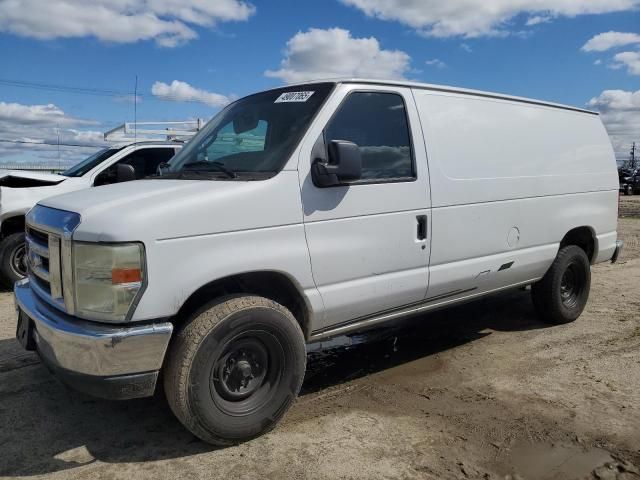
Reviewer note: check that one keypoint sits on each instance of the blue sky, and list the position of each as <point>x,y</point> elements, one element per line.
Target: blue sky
<point>234,48</point>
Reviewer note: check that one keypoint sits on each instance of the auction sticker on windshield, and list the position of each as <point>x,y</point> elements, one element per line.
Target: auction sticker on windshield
<point>293,97</point>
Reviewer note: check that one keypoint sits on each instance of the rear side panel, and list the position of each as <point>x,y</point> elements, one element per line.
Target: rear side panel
<point>483,149</point>
<point>508,181</point>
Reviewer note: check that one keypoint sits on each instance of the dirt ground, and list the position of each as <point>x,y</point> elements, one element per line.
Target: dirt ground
<point>479,391</point>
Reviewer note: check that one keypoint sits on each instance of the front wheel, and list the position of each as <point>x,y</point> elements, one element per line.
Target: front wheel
<point>561,295</point>
<point>235,368</point>
<point>13,259</point>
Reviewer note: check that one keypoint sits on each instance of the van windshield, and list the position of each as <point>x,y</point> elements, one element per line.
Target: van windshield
<point>89,163</point>
<point>252,137</point>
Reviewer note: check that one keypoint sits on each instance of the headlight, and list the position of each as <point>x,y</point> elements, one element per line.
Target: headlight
<point>107,279</point>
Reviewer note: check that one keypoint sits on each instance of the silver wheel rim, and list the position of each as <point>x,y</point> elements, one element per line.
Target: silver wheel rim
<point>18,261</point>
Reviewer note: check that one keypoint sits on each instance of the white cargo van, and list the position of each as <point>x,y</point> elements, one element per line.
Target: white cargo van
<point>305,212</point>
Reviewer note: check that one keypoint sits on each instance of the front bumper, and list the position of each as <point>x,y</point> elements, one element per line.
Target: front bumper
<point>109,361</point>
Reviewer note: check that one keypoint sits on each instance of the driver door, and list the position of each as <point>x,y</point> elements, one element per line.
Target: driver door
<point>368,240</point>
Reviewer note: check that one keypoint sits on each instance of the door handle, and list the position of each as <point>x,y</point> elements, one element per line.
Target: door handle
<point>422,227</point>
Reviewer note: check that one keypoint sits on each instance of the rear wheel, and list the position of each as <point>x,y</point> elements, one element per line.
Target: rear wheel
<point>561,295</point>
<point>13,259</point>
<point>235,368</point>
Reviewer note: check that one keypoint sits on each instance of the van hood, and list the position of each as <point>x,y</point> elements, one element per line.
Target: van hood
<point>26,179</point>
<point>156,209</point>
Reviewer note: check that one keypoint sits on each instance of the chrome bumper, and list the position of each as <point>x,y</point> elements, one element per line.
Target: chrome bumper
<point>97,351</point>
<point>616,252</point>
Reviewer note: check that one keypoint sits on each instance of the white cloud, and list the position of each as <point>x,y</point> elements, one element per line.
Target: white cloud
<point>538,19</point>
<point>598,62</point>
<point>466,47</point>
<point>36,115</point>
<point>436,63</point>
<point>619,100</point>
<point>318,54</point>
<point>620,112</point>
<point>43,124</point>
<point>168,22</point>
<point>183,92</point>
<point>608,40</point>
<point>630,60</point>
<point>476,18</point>
<point>128,98</point>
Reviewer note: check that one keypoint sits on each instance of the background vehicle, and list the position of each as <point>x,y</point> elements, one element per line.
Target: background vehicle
<point>306,212</point>
<point>629,181</point>
<point>126,160</point>
<point>21,190</point>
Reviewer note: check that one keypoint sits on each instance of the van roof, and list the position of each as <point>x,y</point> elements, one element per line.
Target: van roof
<point>448,89</point>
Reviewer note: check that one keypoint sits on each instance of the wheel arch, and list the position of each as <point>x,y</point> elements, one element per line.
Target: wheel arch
<point>583,237</point>
<point>275,285</point>
<point>13,224</point>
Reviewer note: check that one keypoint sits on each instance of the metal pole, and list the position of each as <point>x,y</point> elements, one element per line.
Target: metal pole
<point>135,111</point>
<point>58,132</point>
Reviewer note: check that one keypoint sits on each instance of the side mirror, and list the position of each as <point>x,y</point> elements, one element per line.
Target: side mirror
<point>164,166</point>
<point>344,165</point>
<point>125,172</point>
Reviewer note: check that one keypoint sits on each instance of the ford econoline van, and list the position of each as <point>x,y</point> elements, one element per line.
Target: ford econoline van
<point>306,212</point>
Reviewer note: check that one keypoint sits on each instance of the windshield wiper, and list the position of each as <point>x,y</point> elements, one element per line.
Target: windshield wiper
<point>188,175</point>
<point>218,166</point>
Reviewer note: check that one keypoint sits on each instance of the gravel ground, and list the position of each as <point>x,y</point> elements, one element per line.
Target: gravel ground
<point>478,391</point>
<point>630,206</point>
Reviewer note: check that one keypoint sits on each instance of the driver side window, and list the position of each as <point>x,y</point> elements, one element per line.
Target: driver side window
<point>377,123</point>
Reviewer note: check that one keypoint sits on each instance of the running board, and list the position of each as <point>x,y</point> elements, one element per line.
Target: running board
<point>406,310</point>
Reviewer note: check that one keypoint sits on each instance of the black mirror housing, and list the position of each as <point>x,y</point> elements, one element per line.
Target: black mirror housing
<point>125,172</point>
<point>346,156</point>
<point>345,165</point>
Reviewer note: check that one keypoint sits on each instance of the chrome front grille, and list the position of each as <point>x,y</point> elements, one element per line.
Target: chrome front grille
<point>48,238</point>
<point>43,261</point>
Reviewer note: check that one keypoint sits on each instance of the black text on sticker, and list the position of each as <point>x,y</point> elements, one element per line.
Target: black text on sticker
<point>293,97</point>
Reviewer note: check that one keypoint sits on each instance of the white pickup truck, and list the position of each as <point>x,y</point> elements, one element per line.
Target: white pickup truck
<point>306,212</point>
<point>21,190</point>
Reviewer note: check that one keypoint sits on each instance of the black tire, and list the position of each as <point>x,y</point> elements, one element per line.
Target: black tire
<point>561,295</point>
<point>13,266</point>
<point>235,368</point>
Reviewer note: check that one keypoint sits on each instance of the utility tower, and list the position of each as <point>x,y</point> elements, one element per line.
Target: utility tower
<point>632,157</point>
